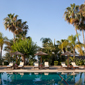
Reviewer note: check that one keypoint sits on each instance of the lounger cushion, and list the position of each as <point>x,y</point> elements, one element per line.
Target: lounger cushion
<point>11,64</point>
<point>8,65</point>
<point>20,66</point>
<point>46,66</point>
<point>64,65</point>
<point>22,63</point>
<point>36,64</point>
<point>75,66</point>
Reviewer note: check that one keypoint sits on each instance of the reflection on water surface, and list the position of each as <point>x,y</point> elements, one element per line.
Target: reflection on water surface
<point>42,78</point>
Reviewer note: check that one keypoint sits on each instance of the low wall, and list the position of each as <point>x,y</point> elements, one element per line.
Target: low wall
<point>82,57</point>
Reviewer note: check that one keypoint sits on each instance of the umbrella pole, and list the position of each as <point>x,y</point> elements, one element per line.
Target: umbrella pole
<point>41,59</point>
<point>68,60</point>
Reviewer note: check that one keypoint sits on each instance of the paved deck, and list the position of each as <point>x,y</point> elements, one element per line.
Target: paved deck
<point>51,69</point>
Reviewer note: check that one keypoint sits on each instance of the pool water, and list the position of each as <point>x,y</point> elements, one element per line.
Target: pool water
<point>42,78</point>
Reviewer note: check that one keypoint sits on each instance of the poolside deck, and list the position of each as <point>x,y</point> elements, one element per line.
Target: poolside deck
<point>51,69</point>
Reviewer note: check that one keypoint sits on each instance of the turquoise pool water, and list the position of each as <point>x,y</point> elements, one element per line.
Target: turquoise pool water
<point>42,78</point>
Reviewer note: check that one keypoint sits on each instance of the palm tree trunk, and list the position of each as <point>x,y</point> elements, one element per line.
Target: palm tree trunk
<point>83,39</point>
<point>76,34</point>
<point>68,60</point>
<point>14,36</point>
<point>74,53</point>
<point>41,59</point>
<point>64,50</point>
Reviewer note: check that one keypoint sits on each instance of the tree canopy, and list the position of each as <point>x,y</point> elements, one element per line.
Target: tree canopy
<point>26,46</point>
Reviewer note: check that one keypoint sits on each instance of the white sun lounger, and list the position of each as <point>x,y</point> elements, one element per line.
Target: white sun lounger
<point>46,64</point>
<point>74,65</point>
<point>63,65</point>
<point>36,65</point>
<point>10,65</point>
<point>21,65</point>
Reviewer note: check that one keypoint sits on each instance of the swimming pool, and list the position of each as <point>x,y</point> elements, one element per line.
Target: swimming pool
<point>42,78</point>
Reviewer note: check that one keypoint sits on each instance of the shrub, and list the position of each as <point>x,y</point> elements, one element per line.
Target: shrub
<point>31,61</point>
<point>55,63</point>
<point>84,61</point>
<point>79,61</point>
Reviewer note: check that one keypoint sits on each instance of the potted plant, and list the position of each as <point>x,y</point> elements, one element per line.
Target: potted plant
<point>41,65</point>
<point>15,66</point>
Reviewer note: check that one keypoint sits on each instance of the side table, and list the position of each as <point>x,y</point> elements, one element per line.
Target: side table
<point>15,66</point>
<point>40,67</point>
<point>70,66</point>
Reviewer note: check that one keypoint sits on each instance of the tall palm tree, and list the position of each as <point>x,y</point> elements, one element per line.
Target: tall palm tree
<point>71,15</point>
<point>81,24</point>
<point>12,23</point>
<point>24,28</point>
<point>3,40</point>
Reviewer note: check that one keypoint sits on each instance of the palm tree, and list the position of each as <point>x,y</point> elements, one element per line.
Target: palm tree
<point>79,47</point>
<point>16,26</point>
<point>45,40</point>
<point>12,24</point>
<point>24,28</point>
<point>73,43</point>
<point>3,40</point>
<point>51,49</point>
<point>63,45</point>
<point>71,15</point>
<point>81,25</point>
<point>8,46</point>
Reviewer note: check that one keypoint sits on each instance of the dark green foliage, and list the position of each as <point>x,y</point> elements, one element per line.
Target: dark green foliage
<point>79,61</point>
<point>46,40</point>
<point>0,61</point>
<point>31,61</point>
<point>8,45</point>
<point>8,58</point>
<point>51,49</point>
<point>6,63</point>
<point>55,63</point>
<point>84,61</point>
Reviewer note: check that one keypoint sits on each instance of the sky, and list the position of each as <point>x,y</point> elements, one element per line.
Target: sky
<point>45,18</point>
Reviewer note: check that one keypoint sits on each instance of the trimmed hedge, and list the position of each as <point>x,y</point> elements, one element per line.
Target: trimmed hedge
<point>55,63</point>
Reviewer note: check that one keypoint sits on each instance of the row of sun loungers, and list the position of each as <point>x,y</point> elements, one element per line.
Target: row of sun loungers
<point>21,65</point>
<point>36,65</point>
<point>46,65</point>
<point>73,65</point>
